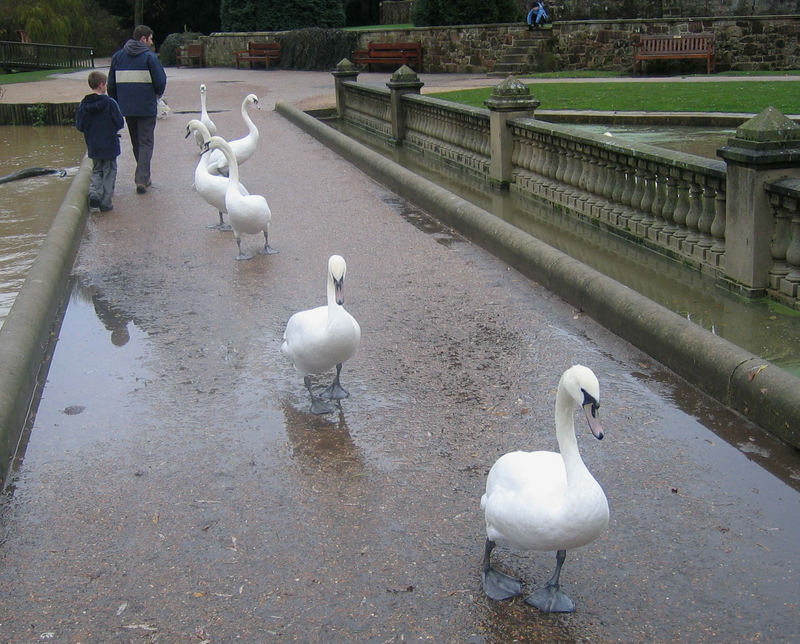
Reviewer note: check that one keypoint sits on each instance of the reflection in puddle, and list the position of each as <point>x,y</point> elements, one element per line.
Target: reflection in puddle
<point>319,442</point>
<point>78,412</point>
<point>757,445</point>
<point>421,220</point>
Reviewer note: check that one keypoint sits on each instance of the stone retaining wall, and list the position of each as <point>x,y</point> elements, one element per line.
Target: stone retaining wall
<point>746,43</point>
<point>399,11</point>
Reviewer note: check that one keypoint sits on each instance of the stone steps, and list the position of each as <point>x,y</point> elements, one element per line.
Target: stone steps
<point>520,56</point>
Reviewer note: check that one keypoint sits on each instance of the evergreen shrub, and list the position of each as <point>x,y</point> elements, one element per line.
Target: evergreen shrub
<point>464,12</point>
<point>316,49</point>
<point>280,15</point>
<point>168,51</point>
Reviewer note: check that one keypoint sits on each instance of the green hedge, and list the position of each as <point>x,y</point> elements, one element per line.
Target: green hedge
<point>464,12</point>
<point>316,49</point>
<point>280,15</point>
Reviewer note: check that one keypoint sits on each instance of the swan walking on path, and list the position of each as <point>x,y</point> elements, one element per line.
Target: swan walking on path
<point>205,119</point>
<point>212,187</point>
<point>546,500</point>
<point>242,148</point>
<point>247,213</point>
<point>318,339</point>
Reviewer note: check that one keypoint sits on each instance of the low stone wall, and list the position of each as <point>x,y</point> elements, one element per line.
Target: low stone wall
<point>743,43</point>
<point>32,323</point>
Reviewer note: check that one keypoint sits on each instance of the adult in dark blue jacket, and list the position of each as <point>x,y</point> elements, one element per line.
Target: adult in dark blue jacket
<point>137,80</point>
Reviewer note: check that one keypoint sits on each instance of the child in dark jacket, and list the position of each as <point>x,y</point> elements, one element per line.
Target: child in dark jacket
<point>100,120</point>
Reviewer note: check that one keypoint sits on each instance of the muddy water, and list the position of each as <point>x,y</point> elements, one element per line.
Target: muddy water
<point>27,206</point>
<point>764,328</point>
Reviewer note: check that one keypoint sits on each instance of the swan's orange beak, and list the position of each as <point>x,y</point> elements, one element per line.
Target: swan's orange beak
<point>590,409</point>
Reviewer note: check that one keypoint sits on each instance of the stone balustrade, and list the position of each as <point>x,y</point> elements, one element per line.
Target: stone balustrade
<point>672,202</point>
<point>736,219</point>
<point>784,275</point>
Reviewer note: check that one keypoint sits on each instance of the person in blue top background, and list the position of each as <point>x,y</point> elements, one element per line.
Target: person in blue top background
<point>100,120</point>
<point>136,79</point>
<point>537,16</point>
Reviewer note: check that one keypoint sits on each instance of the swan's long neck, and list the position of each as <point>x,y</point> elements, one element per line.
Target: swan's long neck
<point>251,127</point>
<point>565,433</point>
<point>333,307</point>
<point>202,102</point>
<point>233,168</point>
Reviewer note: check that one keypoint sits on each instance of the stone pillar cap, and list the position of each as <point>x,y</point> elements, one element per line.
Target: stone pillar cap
<point>404,78</point>
<point>768,139</point>
<point>345,68</point>
<point>511,95</point>
<point>770,125</point>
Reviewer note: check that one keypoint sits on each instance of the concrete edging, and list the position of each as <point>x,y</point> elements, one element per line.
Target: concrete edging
<point>759,390</point>
<point>28,330</point>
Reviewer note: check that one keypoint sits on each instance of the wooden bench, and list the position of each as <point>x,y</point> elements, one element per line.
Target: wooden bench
<point>652,47</point>
<point>259,52</point>
<point>189,55</point>
<point>390,53</point>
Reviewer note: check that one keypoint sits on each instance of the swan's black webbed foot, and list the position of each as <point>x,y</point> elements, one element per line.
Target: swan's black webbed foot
<point>551,599</point>
<point>221,225</point>
<point>267,250</point>
<point>497,585</point>
<point>335,391</point>
<point>319,406</point>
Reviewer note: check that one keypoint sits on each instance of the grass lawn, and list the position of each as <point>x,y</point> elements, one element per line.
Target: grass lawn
<point>667,96</point>
<point>27,77</point>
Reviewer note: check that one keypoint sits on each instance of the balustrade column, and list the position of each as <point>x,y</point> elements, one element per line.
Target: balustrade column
<point>403,81</point>
<point>718,226</point>
<point>511,99</point>
<point>345,71</point>
<point>781,238</point>
<point>671,181</point>
<point>764,149</point>
<point>790,283</point>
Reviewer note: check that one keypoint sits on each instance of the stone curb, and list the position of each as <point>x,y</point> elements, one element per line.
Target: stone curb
<point>761,391</point>
<point>31,326</point>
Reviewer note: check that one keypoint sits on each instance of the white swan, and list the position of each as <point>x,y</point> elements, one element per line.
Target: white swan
<point>205,119</point>
<point>247,213</point>
<point>211,187</point>
<point>319,339</point>
<point>546,500</point>
<point>242,148</point>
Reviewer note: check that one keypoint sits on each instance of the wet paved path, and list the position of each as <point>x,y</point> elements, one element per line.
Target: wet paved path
<point>176,489</point>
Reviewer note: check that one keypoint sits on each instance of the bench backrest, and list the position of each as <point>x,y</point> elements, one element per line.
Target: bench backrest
<point>394,47</point>
<point>682,44</point>
<point>263,47</point>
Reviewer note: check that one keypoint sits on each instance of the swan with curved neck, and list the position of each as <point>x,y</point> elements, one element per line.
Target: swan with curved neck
<point>546,500</point>
<point>242,148</point>
<point>212,187</point>
<point>205,119</point>
<point>247,213</point>
<point>324,337</point>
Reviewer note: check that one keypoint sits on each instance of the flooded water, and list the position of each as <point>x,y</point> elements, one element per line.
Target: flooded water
<point>27,206</point>
<point>763,327</point>
<point>703,142</point>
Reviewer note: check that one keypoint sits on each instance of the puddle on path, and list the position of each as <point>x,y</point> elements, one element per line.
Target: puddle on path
<point>105,347</point>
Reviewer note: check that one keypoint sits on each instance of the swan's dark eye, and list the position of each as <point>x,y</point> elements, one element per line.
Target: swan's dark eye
<point>588,399</point>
